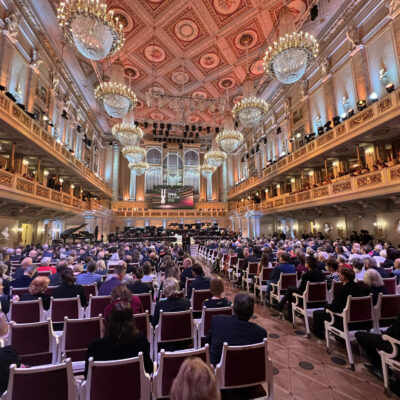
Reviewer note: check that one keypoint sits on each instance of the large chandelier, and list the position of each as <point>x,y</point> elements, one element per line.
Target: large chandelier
<point>134,154</point>
<point>94,31</point>
<point>215,158</point>
<point>229,139</point>
<point>288,59</point>
<point>251,109</point>
<point>115,96</point>
<point>139,168</point>
<point>127,133</point>
<point>207,170</point>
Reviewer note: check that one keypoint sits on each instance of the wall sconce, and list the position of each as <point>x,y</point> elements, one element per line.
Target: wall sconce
<point>61,180</point>
<point>361,105</point>
<point>373,97</point>
<point>72,187</point>
<point>390,87</point>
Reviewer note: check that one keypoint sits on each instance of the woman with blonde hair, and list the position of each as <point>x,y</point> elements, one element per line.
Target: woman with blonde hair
<point>37,289</point>
<point>374,283</point>
<point>101,268</point>
<point>195,381</point>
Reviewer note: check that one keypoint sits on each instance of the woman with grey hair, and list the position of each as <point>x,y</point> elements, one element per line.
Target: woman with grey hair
<point>374,283</point>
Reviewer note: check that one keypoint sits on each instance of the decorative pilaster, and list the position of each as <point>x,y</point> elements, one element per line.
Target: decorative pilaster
<point>225,187</point>
<point>115,174</point>
<point>132,186</point>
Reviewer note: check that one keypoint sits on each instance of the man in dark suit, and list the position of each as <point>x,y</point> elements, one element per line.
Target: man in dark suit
<point>350,288</point>
<point>187,270</point>
<point>248,257</point>
<point>236,330</point>
<point>200,282</point>
<point>283,267</point>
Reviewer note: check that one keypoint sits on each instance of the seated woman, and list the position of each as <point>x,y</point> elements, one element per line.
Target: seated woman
<point>147,273</point>
<point>122,293</point>
<point>37,289</point>
<point>332,266</point>
<point>121,339</point>
<point>374,283</point>
<point>101,268</point>
<point>172,302</point>
<point>217,289</point>
<point>171,272</point>
<point>265,261</point>
<point>68,288</point>
<point>301,266</point>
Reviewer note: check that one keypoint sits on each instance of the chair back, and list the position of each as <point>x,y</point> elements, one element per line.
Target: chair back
<point>142,323</point>
<point>387,306</point>
<point>77,336</point>
<point>169,365</point>
<point>101,373</point>
<point>175,326</point>
<point>225,258</point>
<point>47,382</point>
<point>26,311</point>
<point>287,280</point>
<point>266,272</point>
<point>390,284</point>
<point>243,366</point>
<point>208,313</point>
<point>361,283</point>
<point>198,297</point>
<point>44,273</point>
<point>316,292</point>
<point>18,291</point>
<point>90,290</point>
<point>359,309</point>
<point>61,308</point>
<point>40,348</point>
<point>96,306</point>
<point>239,263</point>
<point>146,300</point>
<point>252,268</point>
<point>50,290</point>
<point>336,286</point>
<point>188,285</point>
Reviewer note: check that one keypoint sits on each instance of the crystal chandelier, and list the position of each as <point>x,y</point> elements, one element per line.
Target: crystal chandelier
<point>139,167</point>
<point>134,154</point>
<point>229,139</point>
<point>94,31</point>
<point>251,109</point>
<point>215,158</point>
<point>115,96</point>
<point>207,170</point>
<point>127,133</point>
<point>288,59</point>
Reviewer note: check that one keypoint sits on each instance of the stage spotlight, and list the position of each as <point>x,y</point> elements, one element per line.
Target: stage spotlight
<point>279,130</point>
<point>321,130</point>
<point>21,106</point>
<point>146,124</point>
<point>2,88</point>
<point>328,126</point>
<point>79,128</point>
<point>200,128</point>
<point>361,105</point>
<point>344,116</point>
<point>236,124</point>
<point>390,87</point>
<point>314,13</point>
<point>265,140</point>
<point>373,97</point>
<point>169,127</point>
<point>208,129</point>
<point>350,113</point>
<point>216,129</point>
<point>336,120</point>
<point>11,96</point>
<point>136,123</point>
<point>258,148</point>
<point>185,134</point>
<point>167,133</point>
<point>197,134</point>
<point>154,132</point>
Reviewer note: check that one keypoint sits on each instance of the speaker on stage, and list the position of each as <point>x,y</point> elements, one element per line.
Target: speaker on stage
<point>180,226</point>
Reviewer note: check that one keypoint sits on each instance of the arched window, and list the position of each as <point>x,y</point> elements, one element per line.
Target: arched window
<point>154,156</point>
<point>191,158</point>
<point>172,162</point>
<point>192,178</point>
<point>153,178</point>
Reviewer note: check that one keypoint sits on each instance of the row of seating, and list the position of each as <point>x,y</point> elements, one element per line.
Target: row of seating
<point>240,366</point>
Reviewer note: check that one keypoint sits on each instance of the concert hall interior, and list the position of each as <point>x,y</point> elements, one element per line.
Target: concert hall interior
<point>215,131</point>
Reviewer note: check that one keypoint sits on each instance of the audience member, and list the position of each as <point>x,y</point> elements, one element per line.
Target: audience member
<point>89,277</point>
<point>37,290</point>
<point>122,294</point>
<point>68,288</point>
<point>200,282</point>
<point>55,279</point>
<point>24,280</point>
<point>217,290</point>
<point>374,284</point>
<point>119,273</point>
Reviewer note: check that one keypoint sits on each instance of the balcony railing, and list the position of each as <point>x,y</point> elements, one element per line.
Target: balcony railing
<point>17,184</point>
<point>380,182</point>
<point>374,115</point>
<point>48,143</point>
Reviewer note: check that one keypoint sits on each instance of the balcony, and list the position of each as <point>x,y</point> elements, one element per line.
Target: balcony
<point>372,117</point>
<point>31,130</point>
<point>380,183</point>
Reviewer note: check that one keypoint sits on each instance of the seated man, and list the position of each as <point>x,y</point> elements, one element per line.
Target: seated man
<point>350,288</point>
<point>119,273</point>
<point>200,282</point>
<point>236,330</point>
<point>89,277</point>
<point>187,270</point>
<point>25,280</point>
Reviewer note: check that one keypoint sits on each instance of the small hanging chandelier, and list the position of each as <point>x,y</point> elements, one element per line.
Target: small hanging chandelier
<point>94,30</point>
<point>134,154</point>
<point>215,158</point>
<point>288,59</point>
<point>139,168</point>
<point>229,139</point>
<point>115,96</point>
<point>207,171</point>
<point>127,133</point>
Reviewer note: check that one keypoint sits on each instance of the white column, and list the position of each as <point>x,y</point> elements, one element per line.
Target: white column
<point>224,181</point>
<point>256,226</point>
<point>132,186</point>
<point>231,173</point>
<point>248,226</point>
<point>108,165</point>
<point>115,174</point>
<point>209,189</point>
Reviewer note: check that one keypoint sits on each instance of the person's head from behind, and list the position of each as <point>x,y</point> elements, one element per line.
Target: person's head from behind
<point>195,379</point>
<point>120,324</point>
<point>347,275</point>
<point>120,270</point>
<point>197,270</point>
<point>67,277</point>
<point>91,266</point>
<point>373,278</point>
<point>45,262</point>
<point>216,286</point>
<point>243,306</point>
<point>39,285</point>
<point>311,263</point>
<point>26,262</point>
<point>302,259</point>
<point>146,268</point>
<point>174,272</point>
<point>284,258</point>
<point>370,262</point>
<point>332,265</point>
<point>61,266</point>
<point>171,288</point>
<point>121,293</point>
<point>358,264</point>
<point>187,263</point>
<point>100,265</point>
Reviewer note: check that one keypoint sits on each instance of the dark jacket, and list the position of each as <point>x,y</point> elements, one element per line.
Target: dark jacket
<point>22,282</point>
<point>200,283</point>
<point>349,289</point>
<point>235,332</point>
<point>170,305</point>
<point>249,259</point>
<point>314,275</point>
<point>107,287</point>
<point>216,303</point>
<point>55,279</point>
<point>44,296</point>
<point>138,287</point>
<point>281,268</point>
<point>186,273</point>
<point>382,272</point>
<point>374,290</point>
<point>394,329</point>
<point>64,292</point>
<point>106,350</point>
